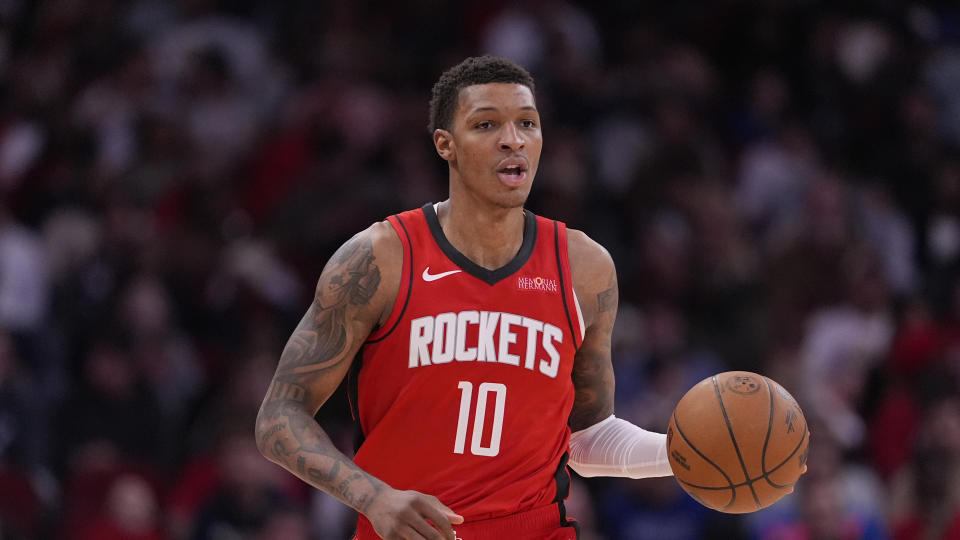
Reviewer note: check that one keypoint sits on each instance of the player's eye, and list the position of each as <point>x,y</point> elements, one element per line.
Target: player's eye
<point>486,124</point>
<point>528,123</point>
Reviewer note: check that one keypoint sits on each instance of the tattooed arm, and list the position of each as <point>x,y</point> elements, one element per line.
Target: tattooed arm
<point>595,282</point>
<point>354,294</point>
<point>601,443</point>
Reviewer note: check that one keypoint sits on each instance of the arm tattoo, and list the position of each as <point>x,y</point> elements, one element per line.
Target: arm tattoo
<point>288,432</point>
<point>607,300</point>
<point>594,387</point>
<point>592,375</point>
<point>318,342</point>
<point>305,442</point>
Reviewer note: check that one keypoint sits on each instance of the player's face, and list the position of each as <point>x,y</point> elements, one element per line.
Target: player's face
<point>496,141</point>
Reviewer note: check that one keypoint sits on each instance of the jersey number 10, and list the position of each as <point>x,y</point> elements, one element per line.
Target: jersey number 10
<point>466,397</point>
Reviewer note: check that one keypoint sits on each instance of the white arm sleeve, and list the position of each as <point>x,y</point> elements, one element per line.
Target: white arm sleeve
<point>615,447</point>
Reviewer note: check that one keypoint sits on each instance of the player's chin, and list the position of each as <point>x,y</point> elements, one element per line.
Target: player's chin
<point>514,197</point>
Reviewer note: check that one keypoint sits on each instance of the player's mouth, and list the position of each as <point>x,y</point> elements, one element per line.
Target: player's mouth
<point>512,171</point>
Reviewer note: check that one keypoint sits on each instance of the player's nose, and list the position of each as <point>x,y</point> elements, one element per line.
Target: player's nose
<point>510,138</point>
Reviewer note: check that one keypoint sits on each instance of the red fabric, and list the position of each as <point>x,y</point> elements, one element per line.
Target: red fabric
<point>414,418</point>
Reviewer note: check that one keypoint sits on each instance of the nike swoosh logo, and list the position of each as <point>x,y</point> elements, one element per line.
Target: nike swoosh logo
<point>427,276</point>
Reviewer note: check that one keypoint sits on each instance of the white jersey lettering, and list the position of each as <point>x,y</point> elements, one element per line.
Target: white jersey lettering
<point>421,334</point>
<point>464,353</point>
<point>445,337</point>
<point>508,337</point>
<point>533,327</point>
<point>488,323</point>
<point>551,334</point>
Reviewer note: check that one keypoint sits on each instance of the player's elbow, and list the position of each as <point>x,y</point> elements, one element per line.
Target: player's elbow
<point>263,430</point>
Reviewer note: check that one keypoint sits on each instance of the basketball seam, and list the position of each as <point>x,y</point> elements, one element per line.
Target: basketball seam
<point>766,439</point>
<point>763,465</point>
<point>784,462</point>
<point>733,438</point>
<point>732,487</point>
<point>764,476</point>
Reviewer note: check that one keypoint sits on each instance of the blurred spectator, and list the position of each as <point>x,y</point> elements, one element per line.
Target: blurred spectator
<point>131,513</point>
<point>112,417</point>
<point>772,178</point>
<point>804,271</point>
<point>20,504</point>
<point>824,514</point>
<point>660,510</point>
<point>284,525</point>
<point>837,499</point>
<point>844,344</point>
<point>914,374</point>
<point>20,444</point>
<point>162,353</point>
<point>24,285</point>
<point>247,494</point>
<point>924,497</point>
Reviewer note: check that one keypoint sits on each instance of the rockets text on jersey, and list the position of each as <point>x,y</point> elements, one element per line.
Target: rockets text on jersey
<point>476,336</point>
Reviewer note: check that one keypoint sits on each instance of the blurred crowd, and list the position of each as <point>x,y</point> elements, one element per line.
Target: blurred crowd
<point>777,181</point>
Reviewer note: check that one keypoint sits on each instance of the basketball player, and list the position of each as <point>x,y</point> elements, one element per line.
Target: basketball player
<point>479,337</point>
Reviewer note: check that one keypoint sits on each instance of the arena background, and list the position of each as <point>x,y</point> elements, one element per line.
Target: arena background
<point>777,181</point>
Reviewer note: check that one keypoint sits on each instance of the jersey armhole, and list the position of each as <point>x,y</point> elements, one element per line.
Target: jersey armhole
<point>406,279</point>
<point>570,302</point>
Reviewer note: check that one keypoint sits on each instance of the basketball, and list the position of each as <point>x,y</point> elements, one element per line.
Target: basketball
<point>737,442</point>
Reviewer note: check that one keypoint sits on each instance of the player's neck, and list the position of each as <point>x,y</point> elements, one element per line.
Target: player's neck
<point>488,236</point>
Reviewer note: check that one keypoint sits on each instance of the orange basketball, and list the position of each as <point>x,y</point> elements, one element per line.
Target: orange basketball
<point>737,442</point>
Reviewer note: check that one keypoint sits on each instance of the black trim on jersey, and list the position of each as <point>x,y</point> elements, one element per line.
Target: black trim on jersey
<point>562,478</point>
<point>353,398</point>
<point>563,287</point>
<point>474,269</point>
<point>406,300</point>
<point>353,375</point>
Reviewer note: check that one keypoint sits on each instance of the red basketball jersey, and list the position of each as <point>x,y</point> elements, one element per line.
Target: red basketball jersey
<point>465,392</point>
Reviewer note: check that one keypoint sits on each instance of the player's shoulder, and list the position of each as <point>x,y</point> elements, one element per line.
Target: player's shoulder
<point>592,271</point>
<point>382,233</point>
<point>376,250</point>
<point>384,243</point>
<point>377,245</point>
<point>587,256</point>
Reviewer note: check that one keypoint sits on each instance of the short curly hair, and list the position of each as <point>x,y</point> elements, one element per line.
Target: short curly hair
<point>474,70</point>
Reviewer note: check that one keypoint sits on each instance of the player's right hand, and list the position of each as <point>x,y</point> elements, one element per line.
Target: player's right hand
<point>411,515</point>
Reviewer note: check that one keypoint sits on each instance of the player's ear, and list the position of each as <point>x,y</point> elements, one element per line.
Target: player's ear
<point>443,142</point>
